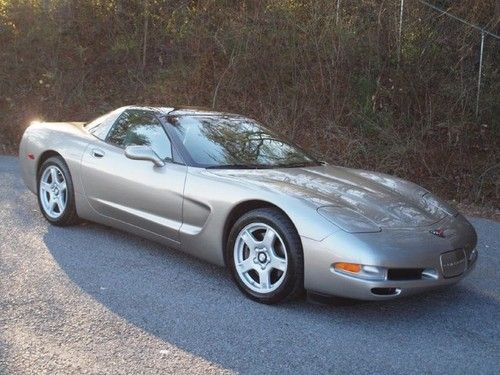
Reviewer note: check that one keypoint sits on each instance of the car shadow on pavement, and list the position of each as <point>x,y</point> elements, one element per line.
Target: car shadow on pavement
<point>195,306</point>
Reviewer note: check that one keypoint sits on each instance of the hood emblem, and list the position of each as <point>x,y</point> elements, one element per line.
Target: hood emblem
<point>438,232</point>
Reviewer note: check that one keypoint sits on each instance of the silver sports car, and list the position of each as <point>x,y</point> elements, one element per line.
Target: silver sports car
<point>226,189</point>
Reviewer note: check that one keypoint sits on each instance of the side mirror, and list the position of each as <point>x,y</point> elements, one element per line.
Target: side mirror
<point>144,153</point>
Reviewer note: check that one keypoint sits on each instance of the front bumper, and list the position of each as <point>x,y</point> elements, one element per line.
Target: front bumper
<point>391,249</point>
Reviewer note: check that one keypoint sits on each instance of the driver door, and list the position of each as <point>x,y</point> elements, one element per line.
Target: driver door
<point>135,191</point>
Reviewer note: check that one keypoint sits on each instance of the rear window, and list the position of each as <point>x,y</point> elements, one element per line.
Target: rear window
<point>101,125</point>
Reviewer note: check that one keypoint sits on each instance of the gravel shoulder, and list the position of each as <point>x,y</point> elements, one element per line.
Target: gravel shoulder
<point>90,299</point>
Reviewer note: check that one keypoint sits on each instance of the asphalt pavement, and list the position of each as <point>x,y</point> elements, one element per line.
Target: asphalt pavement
<point>90,299</point>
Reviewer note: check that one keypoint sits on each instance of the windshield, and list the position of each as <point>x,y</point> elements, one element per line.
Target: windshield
<point>235,142</point>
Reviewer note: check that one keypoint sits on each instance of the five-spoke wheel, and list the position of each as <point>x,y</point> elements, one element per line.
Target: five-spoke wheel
<point>264,254</point>
<point>260,257</point>
<point>55,192</point>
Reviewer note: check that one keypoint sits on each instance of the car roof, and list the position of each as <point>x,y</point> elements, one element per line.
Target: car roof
<point>182,111</point>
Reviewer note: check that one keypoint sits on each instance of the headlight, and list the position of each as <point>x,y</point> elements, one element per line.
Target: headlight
<point>348,220</point>
<point>360,270</point>
<point>431,203</point>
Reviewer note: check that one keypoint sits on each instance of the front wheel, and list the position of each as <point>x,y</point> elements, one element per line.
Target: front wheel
<point>264,255</point>
<point>56,196</point>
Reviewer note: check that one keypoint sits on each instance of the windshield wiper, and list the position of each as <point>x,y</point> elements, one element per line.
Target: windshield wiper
<point>297,165</point>
<point>239,166</point>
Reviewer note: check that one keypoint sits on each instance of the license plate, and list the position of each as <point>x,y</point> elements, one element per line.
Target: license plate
<point>453,263</point>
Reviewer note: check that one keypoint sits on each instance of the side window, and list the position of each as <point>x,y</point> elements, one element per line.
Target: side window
<point>140,128</point>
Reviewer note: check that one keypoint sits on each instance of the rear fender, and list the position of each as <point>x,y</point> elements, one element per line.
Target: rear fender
<point>66,139</point>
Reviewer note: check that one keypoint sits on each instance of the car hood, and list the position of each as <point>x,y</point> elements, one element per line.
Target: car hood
<point>388,201</point>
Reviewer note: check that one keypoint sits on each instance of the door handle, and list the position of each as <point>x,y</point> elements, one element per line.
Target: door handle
<point>97,153</point>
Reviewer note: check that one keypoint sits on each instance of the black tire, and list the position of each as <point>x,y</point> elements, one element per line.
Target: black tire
<point>292,285</point>
<point>69,215</point>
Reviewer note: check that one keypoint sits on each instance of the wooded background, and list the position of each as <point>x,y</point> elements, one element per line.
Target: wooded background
<point>326,76</point>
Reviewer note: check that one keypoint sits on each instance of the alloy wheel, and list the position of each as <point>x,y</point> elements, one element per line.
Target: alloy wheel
<point>53,192</point>
<point>260,258</point>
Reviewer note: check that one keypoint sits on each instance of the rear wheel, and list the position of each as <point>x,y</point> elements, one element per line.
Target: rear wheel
<point>264,254</point>
<point>56,197</point>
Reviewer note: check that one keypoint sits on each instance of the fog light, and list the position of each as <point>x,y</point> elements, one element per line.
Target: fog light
<point>429,273</point>
<point>375,273</point>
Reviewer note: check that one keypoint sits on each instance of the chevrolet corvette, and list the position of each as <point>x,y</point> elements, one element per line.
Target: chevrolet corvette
<point>228,190</point>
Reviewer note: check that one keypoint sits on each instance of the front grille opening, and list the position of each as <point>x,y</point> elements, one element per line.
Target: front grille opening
<point>404,273</point>
<point>385,291</point>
